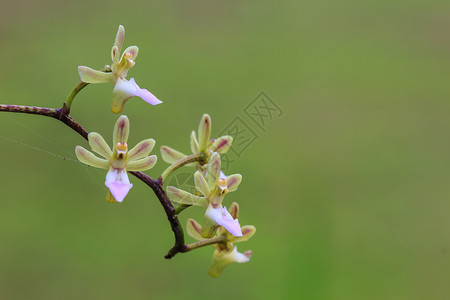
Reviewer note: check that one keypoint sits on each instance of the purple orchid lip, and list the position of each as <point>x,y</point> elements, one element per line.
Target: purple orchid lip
<point>118,184</point>
<point>221,216</point>
<point>118,189</point>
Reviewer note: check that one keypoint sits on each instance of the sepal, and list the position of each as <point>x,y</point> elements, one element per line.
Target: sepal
<point>170,155</point>
<point>193,229</point>
<point>90,159</point>
<point>89,75</point>
<point>233,181</point>
<point>98,145</point>
<point>213,170</point>
<point>121,130</point>
<point>142,149</point>
<point>222,144</point>
<point>183,197</point>
<point>200,184</point>
<point>120,36</point>
<point>247,232</point>
<point>204,132</point>
<point>142,164</point>
<point>194,143</point>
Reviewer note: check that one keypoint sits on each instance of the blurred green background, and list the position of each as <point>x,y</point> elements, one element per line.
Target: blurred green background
<point>348,188</point>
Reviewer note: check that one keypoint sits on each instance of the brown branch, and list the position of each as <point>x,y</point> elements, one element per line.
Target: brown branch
<point>62,114</point>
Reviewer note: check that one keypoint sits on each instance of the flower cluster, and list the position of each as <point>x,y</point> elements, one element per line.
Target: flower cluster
<point>203,144</point>
<point>220,226</point>
<point>213,190</point>
<point>225,252</point>
<point>211,187</point>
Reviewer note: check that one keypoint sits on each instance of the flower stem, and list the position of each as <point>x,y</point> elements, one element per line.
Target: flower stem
<point>181,207</point>
<point>202,243</point>
<point>184,161</point>
<point>81,85</point>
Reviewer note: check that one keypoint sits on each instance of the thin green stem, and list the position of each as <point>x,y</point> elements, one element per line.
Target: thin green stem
<point>81,85</point>
<point>181,207</point>
<point>184,161</point>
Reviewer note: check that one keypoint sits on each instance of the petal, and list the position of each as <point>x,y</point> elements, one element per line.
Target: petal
<point>90,159</point>
<point>204,132</point>
<point>142,164</point>
<point>219,216</point>
<point>222,259</point>
<point>201,184</point>
<point>118,184</point>
<point>124,90</point>
<point>222,144</point>
<point>121,130</point>
<point>98,145</point>
<point>89,75</point>
<point>115,56</point>
<point>142,149</point>
<point>133,50</point>
<point>233,181</point>
<point>193,228</point>
<point>213,170</point>
<point>234,210</point>
<point>247,232</point>
<point>170,155</point>
<point>230,224</point>
<point>145,94</point>
<point>118,42</point>
<point>183,197</point>
<point>194,143</point>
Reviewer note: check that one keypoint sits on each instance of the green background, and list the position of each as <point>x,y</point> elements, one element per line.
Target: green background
<point>348,188</point>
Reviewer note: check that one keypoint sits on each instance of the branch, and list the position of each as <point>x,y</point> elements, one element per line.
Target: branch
<point>62,114</point>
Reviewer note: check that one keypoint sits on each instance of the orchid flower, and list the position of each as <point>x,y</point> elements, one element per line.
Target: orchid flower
<point>203,144</point>
<point>119,160</point>
<point>123,89</point>
<point>213,188</point>
<point>225,253</point>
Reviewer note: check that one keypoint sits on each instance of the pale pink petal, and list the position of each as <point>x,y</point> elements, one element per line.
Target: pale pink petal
<point>230,224</point>
<point>145,94</point>
<point>221,216</point>
<point>124,90</point>
<point>118,184</point>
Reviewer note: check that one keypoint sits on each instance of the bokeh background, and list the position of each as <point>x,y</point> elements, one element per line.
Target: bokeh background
<point>348,188</point>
